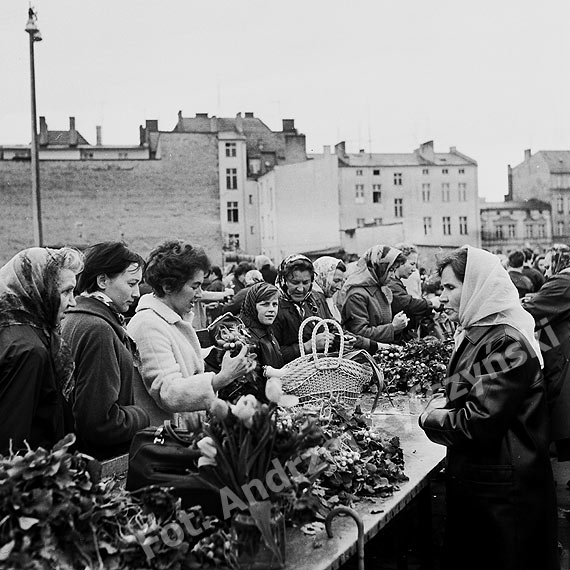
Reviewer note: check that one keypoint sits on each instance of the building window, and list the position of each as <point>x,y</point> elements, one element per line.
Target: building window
<point>560,204</point>
<point>233,241</point>
<point>445,171</point>
<point>231,178</point>
<point>231,149</point>
<point>251,198</point>
<point>376,172</point>
<point>397,178</point>
<point>123,155</point>
<point>426,193</point>
<point>232,209</point>
<point>529,230</point>
<point>463,225</point>
<point>398,208</point>
<point>376,196</point>
<point>462,187</point>
<point>462,171</point>
<point>541,230</point>
<point>359,194</point>
<point>425,171</point>
<point>512,230</point>
<point>499,232</point>
<point>560,228</point>
<point>359,222</point>
<point>359,172</point>
<point>378,221</point>
<point>427,226</point>
<point>445,192</point>
<point>251,230</point>
<point>446,225</point>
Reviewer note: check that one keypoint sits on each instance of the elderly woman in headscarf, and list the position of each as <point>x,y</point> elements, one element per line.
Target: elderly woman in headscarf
<point>36,367</point>
<point>295,279</point>
<point>550,308</point>
<point>366,299</point>
<point>493,419</point>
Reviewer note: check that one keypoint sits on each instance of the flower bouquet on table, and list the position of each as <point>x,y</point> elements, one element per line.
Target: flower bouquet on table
<point>250,455</point>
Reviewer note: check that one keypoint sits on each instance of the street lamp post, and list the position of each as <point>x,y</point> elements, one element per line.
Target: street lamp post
<point>35,36</point>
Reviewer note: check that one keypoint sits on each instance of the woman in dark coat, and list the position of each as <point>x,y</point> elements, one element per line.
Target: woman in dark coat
<point>36,368</point>
<point>366,299</point>
<point>295,281</point>
<point>106,418</point>
<point>493,419</point>
<point>550,308</point>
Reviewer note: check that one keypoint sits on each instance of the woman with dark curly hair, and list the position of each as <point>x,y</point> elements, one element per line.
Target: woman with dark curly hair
<point>172,365</point>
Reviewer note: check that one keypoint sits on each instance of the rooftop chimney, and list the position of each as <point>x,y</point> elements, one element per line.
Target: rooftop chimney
<point>527,154</point>
<point>452,150</point>
<point>239,123</point>
<point>214,124</point>
<point>43,132</point>
<point>152,125</point>
<point>288,125</point>
<point>73,139</point>
<point>249,115</point>
<point>98,128</point>
<point>201,115</point>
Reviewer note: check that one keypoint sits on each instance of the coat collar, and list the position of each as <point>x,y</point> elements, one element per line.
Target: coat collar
<point>92,306</point>
<point>151,302</point>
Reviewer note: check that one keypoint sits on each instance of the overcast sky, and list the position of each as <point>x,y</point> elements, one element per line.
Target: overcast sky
<point>490,77</point>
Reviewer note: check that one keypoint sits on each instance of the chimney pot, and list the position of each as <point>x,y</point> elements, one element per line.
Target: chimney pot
<point>73,139</point>
<point>288,125</point>
<point>249,115</point>
<point>43,132</point>
<point>527,154</point>
<point>99,139</point>
<point>201,115</point>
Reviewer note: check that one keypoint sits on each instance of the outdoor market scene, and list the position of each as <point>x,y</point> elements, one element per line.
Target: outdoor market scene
<point>228,344</point>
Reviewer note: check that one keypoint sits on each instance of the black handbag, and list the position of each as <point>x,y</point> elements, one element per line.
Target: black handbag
<point>162,456</point>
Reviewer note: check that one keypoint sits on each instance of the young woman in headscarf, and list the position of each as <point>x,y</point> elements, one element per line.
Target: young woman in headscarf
<point>258,312</point>
<point>550,308</point>
<point>493,419</point>
<point>295,281</point>
<point>106,359</point>
<point>36,368</point>
<point>366,299</point>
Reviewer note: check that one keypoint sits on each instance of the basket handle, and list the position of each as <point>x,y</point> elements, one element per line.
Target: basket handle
<point>325,323</point>
<point>301,329</point>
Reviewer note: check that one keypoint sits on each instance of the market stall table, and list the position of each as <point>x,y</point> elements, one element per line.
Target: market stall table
<point>422,459</point>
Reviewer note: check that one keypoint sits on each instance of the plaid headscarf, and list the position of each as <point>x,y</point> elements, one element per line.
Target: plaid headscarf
<point>325,268</point>
<point>286,267</point>
<point>255,294</point>
<point>29,295</point>
<point>560,259</point>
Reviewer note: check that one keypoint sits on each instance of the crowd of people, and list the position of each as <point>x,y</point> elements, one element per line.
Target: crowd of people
<point>105,343</point>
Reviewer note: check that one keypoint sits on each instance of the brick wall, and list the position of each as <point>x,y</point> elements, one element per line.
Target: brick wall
<point>141,202</point>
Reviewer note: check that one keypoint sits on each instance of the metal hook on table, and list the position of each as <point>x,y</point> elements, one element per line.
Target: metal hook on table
<point>360,525</point>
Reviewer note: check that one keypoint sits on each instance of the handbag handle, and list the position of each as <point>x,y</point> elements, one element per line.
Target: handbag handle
<point>168,428</point>
<point>331,363</point>
<point>301,329</point>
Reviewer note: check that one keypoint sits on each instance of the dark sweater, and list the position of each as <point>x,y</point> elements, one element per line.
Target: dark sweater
<point>106,418</point>
<point>31,406</point>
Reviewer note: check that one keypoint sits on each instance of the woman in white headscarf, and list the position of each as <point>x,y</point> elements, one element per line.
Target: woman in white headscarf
<point>493,419</point>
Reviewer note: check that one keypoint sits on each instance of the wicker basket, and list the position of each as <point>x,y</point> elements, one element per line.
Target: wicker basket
<point>315,377</point>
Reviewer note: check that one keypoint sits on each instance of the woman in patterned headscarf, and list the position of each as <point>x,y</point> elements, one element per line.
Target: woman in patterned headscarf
<point>295,279</point>
<point>550,308</point>
<point>36,368</point>
<point>258,313</point>
<point>366,299</point>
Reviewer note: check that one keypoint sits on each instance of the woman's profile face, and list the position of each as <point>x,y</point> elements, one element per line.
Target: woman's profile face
<point>183,301</point>
<point>547,264</point>
<point>451,293</point>
<point>337,280</point>
<point>267,310</point>
<point>298,284</point>
<point>65,287</point>
<point>406,269</point>
<point>123,289</point>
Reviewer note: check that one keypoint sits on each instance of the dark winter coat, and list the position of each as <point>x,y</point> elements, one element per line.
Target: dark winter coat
<point>31,405</point>
<point>286,327</point>
<point>106,418</point>
<point>501,504</point>
<point>414,308</point>
<point>550,308</point>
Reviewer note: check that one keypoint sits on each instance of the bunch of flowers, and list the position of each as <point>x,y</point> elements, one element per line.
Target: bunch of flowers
<point>418,367</point>
<point>55,515</point>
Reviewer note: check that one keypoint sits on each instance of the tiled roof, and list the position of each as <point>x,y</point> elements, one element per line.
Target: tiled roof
<point>58,138</point>
<point>558,160</point>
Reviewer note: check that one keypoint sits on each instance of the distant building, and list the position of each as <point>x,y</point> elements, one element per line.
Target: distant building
<point>545,176</point>
<point>510,225</point>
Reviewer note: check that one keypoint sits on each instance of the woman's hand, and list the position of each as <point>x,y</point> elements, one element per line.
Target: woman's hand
<point>232,367</point>
<point>400,321</point>
<point>320,341</point>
